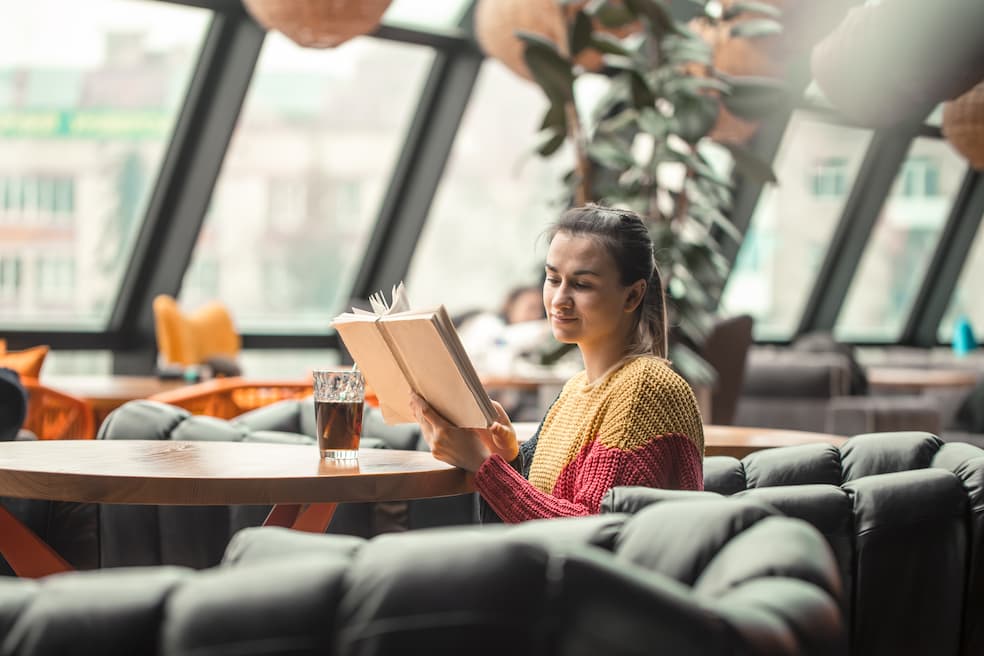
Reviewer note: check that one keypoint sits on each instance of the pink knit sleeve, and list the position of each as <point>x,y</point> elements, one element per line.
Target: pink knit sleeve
<point>666,461</point>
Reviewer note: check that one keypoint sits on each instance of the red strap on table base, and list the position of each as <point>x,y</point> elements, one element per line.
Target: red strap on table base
<point>27,554</point>
<point>311,517</point>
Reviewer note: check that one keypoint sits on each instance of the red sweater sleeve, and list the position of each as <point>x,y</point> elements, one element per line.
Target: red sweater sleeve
<point>666,461</point>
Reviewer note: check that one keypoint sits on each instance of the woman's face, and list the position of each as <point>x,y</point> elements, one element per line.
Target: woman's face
<point>583,293</point>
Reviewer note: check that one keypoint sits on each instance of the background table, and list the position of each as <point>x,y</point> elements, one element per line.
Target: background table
<point>900,378</point>
<point>106,393</point>
<point>303,488</point>
<point>734,441</point>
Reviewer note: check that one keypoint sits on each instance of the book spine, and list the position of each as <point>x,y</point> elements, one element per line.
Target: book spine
<point>391,345</point>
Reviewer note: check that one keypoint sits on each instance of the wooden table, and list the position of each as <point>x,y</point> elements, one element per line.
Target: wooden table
<point>106,393</point>
<point>303,488</point>
<point>734,441</point>
<point>916,379</point>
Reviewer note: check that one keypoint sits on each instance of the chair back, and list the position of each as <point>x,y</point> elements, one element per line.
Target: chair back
<point>230,397</point>
<point>193,338</point>
<point>55,415</point>
<point>726,349</point>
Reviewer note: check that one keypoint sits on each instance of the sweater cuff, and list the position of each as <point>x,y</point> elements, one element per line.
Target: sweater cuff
<point>496,480</point>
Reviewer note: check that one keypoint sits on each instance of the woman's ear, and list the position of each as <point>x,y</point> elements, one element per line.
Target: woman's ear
<point>637,292</point>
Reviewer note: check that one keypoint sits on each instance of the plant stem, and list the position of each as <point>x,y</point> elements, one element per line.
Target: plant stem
<point>582,165</point>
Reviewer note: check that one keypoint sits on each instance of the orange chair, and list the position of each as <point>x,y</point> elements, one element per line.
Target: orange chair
<point>230,397</point>
<point>193,338</point>
<point>54,415</point>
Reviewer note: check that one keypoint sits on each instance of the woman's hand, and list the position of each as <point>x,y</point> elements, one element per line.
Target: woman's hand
<point>467,448</point>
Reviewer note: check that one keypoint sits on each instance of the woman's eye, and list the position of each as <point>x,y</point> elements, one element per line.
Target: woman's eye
<point>553,281</point>
<point>581,285</point>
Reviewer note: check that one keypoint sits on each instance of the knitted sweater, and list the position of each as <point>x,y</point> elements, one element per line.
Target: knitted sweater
<point>639,425</point>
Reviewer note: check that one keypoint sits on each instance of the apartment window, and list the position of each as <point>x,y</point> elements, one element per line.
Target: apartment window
<point>55,278</point>
<point>828,179</point>
<point>38,199</point>
<point>10,277</point>
<point>920,177</point>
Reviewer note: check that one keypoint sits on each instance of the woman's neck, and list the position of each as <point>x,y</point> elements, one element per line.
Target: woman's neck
<point>598,359</point>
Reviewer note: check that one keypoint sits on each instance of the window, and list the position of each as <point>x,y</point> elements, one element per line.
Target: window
<point>302,182</point>
<point>10,277</point>
<point>829,177</point>
<point>55,276</point>
<point>87,105</point>
<point>792,224</point>
<point>920,177</point>
<point>894,262</point>
<point>495,200</point>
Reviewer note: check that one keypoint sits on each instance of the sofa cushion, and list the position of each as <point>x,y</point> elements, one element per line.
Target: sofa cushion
<point>794,465</point>
<point>882,453</point>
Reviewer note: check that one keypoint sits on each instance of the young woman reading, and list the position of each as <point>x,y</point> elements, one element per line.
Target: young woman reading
<point>627,419</point>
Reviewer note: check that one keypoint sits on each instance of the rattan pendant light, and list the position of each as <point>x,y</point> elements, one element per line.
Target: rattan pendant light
<point>318,23</point>
<point>963,125</point>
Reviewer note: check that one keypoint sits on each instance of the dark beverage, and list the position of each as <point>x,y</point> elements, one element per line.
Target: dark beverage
<point>339,428</point>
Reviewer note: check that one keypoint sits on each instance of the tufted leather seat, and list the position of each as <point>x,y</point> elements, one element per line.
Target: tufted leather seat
<point>904,515</point>
<point>714,577</point>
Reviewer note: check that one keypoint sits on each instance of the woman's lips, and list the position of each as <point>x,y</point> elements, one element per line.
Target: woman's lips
<point>560,319</point>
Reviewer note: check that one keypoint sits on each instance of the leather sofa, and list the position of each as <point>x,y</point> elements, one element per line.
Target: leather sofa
<point>716,577</point>
<point>812,391</point>
<point>904,515</point>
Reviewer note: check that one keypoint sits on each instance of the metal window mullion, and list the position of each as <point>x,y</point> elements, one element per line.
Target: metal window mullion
<point>881,164</point>
<point>189,171</point>
<point>947,264</point>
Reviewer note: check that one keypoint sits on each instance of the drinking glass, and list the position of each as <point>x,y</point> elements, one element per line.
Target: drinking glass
<point>338,401</point>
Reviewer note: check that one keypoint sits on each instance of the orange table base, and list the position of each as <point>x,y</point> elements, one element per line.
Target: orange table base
<point>27,554</point>
<point>311,517</point>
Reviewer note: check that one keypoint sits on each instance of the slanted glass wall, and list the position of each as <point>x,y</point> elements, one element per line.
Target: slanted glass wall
<point>88,101</point>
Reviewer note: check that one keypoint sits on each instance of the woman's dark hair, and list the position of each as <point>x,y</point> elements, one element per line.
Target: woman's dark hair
<point>624,234</point>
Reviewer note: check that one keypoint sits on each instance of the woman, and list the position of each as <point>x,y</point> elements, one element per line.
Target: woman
<point>627,419</point>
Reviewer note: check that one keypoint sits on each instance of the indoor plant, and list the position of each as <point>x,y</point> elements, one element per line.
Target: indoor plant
<point>643,144</point>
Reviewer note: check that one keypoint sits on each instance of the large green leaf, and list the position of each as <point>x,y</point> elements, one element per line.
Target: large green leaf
<point>611,153</point>
<point>608,44</point>
<point>580,33</point>
<point>556,118</point>
<point>756,28</point>
<point>659,18</point>
<point>751,165</point>
<point>753,97</point>
<point>549,142</point>
<point>642,95</point>
<point>739,8</point>
<point>610,14</point>
<point>694,116</point>
<point>551,70</point>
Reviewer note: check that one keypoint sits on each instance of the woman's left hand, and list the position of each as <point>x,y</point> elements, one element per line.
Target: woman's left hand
<point>461,447</point>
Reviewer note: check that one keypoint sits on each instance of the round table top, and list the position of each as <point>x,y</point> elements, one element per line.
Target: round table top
<point>217,473</point>
<point>916,378</point>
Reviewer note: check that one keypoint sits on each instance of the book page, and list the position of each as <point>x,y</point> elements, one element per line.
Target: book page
<point>365,341</point>
<point>435,370</point>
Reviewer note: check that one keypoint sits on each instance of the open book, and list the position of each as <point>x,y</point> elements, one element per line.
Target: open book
<point>399,350</point>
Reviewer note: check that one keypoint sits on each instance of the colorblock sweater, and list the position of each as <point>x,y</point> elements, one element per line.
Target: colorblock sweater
<point>638,425</point>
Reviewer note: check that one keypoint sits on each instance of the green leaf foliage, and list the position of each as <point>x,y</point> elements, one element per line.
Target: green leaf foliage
<point>754,97</point>
<point>756,28</point>
<point>551,70</point>
<point>580,33</point>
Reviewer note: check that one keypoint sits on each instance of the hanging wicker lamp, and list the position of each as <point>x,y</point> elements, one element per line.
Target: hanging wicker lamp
<point>497,21</point>
<point>318,23</point>
<point>963,125</point>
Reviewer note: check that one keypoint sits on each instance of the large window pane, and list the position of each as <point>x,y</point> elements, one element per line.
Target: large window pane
<point>301,185</point>
<point>494,202</point>
<point>902,244</point>
<point>791,228</point>
<point>966,299</point>
<point>89,92</point>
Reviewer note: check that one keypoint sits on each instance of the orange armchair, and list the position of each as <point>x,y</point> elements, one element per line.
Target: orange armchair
<point>54,415</point>
<point>193,338</point>
<point>230,397</point>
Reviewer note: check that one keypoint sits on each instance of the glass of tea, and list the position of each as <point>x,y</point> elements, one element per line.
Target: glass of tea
<point>338,401</point>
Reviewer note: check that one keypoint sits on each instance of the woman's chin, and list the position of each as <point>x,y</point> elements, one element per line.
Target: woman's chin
<point>563,336</point>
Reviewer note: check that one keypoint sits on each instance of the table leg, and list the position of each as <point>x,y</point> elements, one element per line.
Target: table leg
<point>311,517</point>
<point>27,554</point>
